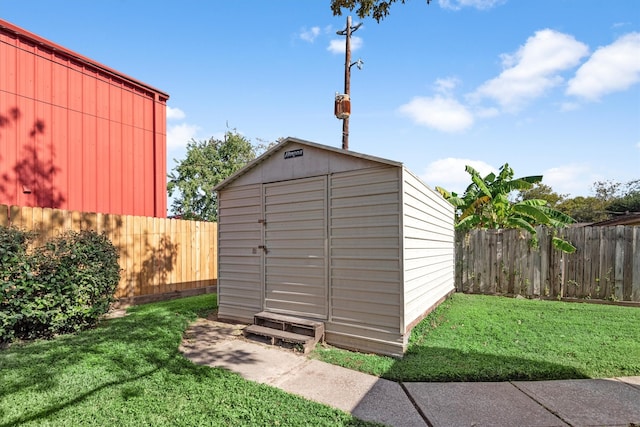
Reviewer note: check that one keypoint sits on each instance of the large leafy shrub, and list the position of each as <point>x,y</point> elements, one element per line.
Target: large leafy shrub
<point>15,274</point>
<point>63,286</point>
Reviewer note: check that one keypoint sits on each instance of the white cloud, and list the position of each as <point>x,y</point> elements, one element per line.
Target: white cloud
<point>478,4</point>
<point>620,24</point>
<point>309,35</point>
<point>486,113</point>
<point>533,69</point>
<point>338,45</point>
<point>179,135</point>
<point>439,112</point>
<point>447,85</point>
<point>611,68</point>
<point>573,179</point>
<point>450,173</point>
<point>569,106</point>
<point>175,113</point>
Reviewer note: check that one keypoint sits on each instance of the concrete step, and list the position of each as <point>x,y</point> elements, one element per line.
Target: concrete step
<point>279,337</point>
<point>292,324</point>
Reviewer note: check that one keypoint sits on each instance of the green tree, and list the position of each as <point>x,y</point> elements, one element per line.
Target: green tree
<point>543,192</point>
<point>206,164</point>
<point>607,191</point>
<point>584,209</point>
<point>609,197</point>
<point>486,204</point>
<point>378,9</point>
<point>629,201</point>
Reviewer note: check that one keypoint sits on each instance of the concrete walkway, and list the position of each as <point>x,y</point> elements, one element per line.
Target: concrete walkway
<point>600,402</point>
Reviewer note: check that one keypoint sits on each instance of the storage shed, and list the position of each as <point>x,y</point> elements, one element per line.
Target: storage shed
<point>355,241</point>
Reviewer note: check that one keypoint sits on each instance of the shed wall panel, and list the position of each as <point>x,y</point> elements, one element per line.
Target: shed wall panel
<point>102,159</point>
<point>89,163</point>
<point>295,237</point>
<point>240,269</point>
<point>59,152</point>
<point>364,242</point>
<point>115,161</point>
<point>43,74</point>
<point>62,144</point>
<point>313,162</point>
<point>102,94</point>
<point>60,84</point>
<point>428,247</point>
<point>365,339</point>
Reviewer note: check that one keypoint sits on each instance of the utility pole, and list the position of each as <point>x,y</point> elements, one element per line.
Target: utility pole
<point>343,101</point>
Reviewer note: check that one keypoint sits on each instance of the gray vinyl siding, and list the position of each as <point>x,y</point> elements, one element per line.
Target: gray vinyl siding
<point>352,240</point>
<point>364,244</point>
<point>296,256</point>
<point>316,161</point>
<point>240,293</point>
<point>428,247</point>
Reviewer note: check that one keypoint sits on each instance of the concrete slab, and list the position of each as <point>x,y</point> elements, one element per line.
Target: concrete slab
<point>203,332</point>
<point>115,313</point>
<point>602,402</point>
<point>632,381</point>
<point>365,396</point>
<point>252,361</point>
<point>387,403</point>
<point>479,404</point>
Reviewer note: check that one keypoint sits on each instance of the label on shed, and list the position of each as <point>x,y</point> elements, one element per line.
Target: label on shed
<point>293,153</point>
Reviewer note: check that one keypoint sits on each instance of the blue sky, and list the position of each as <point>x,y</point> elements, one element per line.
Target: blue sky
<point>550,86</point>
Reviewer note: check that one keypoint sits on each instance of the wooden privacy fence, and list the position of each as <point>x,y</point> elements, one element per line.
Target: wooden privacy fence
<point>605,265</point>
<point>158,256</point>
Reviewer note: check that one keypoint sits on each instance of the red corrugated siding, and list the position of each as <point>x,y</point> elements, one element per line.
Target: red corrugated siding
<point>86,137</point>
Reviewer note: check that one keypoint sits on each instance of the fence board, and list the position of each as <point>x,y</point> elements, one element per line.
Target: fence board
<point>157,264</point>
<point>4,217</point>
<point>635,268</point>
<point>605,265</point>
<point>492,253</point>
<point>157,255</point>
<point>626,234</point>
<point>545,271</point>
<point>129,259</point>
<point>594,249</point>
<point>176,272</point>
<point>480,263</point>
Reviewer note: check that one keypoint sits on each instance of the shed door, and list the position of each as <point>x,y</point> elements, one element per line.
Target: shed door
<point>296,247</point>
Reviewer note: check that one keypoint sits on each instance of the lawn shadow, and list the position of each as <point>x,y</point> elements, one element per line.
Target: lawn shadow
<point>204,340</point>
<point>391,397</point>
<point>457,365</point>
<point>118,352</point>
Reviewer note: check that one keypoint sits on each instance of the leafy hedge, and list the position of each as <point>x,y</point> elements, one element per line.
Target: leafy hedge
<point>60,287</point>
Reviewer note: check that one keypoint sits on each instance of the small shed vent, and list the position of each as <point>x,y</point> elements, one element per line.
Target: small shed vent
<point>342,108</point>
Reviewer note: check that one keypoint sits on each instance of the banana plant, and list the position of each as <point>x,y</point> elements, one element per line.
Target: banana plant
<point>486,204</point>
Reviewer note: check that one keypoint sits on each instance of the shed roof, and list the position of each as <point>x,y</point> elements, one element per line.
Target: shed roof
<point>628,218</point>
<point>16,31</point>
<point>291,140</point>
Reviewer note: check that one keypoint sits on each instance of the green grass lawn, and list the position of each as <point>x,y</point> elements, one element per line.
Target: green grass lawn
<point>488,338</point>
<point>128,372</point>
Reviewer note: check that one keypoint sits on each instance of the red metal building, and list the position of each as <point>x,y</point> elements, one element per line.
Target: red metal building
<point>75,134</point>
